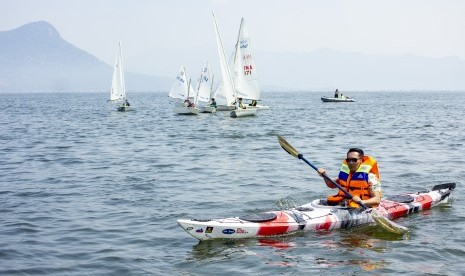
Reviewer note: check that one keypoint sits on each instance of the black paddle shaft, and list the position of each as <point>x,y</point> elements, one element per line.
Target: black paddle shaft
<point>325,176</point>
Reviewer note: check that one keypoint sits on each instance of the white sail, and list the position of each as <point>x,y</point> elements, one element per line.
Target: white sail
<point>225,93</point>
<point>245,71</point>
<point>204,84</point>
<point>118,89</point>
<point>180,88</point>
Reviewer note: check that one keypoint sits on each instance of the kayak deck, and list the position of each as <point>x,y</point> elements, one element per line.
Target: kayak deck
<point>313,216</point>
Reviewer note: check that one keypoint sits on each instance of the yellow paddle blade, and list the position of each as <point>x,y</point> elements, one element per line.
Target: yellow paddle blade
<point>388,224</point>
<point>287,147</point>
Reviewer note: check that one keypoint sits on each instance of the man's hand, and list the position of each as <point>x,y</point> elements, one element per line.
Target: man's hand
<point>356,198</point>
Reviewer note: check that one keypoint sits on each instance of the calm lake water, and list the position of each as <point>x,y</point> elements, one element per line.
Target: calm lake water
<point>86,190</point>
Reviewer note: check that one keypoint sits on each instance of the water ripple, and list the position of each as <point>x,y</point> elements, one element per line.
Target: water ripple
<point>86,190</point>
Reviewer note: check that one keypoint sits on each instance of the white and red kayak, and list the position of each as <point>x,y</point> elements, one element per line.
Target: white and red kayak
<point>313,216</point>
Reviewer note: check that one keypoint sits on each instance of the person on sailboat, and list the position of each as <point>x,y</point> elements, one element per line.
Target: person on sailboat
<point>240,104</point>
<point>359,176</point>
<point>126,103</point>
<point>336,94</point>
<point>188,103</point>
<point>213,103</point>
<point>253,103</point>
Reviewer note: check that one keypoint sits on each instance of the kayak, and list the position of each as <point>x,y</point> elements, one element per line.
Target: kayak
<point>313,216</point>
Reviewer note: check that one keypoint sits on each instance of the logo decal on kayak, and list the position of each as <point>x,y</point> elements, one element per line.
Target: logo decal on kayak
<point>228,231</point>
<point>208,230</point>
<point>200,230</point>
<point>241,231</point>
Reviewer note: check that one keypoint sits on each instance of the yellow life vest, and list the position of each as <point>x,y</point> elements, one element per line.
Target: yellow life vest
<point>355,183</point>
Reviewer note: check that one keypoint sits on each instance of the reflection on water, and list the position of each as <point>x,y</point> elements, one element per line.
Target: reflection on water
<point>365,264</point>
<point>218,249</point>
<point>270,252</point>
<point>342,248</point>
<point>356,248</point>
<point>284,243</point>
<point>223,248</point>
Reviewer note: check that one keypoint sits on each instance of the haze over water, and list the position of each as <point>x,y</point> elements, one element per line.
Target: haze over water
<point>86,190</point>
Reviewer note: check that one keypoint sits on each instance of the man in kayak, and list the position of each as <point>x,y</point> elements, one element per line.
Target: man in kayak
<point>360,177</point>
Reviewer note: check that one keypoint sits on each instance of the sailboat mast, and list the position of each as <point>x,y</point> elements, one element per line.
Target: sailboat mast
<point>188,86</point>
<point>121,71</point>
<point>211,85</point>
<point>237,62</point>
<point>227,79</point>
<point>196,100</point>
<point>236,53</point>
<point>201,76</point>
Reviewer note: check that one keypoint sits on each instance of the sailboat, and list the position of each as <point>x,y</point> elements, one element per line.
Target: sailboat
<point>118,88</point>
<point>226,94</point>
<point>182,90</point>
<point>204,89</point>
<point>245,72</point>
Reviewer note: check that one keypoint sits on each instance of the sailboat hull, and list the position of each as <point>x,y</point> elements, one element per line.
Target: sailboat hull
<point>243,112</point>
<point>184,110</point>
<point>225,107</point>
<point>208,109</point>
<point>124,108</point>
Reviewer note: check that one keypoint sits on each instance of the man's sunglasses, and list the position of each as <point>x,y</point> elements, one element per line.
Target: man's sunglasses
<point>351,160</point>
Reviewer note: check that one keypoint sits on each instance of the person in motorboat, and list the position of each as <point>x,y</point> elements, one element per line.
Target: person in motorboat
<point>213,103</point>
<point>336,94</point>
<point>359,176</point>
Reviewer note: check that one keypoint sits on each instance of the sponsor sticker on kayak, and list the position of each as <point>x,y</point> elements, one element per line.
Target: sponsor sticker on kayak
<point>241,231</point>
<point>228,231</point>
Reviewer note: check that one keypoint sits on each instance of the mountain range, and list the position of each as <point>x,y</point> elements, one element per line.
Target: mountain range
<point>34,57</point>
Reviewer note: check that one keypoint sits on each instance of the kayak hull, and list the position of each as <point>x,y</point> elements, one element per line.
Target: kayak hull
<point>312,216</point>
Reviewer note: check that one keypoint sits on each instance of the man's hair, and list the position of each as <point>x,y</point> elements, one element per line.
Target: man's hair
<point>360,151</point>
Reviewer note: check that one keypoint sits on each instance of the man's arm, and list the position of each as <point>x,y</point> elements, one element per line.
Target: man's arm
<point>373,201</point>
<point>322,171</point>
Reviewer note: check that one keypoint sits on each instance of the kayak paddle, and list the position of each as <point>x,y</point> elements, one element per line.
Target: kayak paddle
<point>377,217</point>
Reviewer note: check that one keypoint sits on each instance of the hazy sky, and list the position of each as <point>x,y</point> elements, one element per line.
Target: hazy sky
<point>431,28</point>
